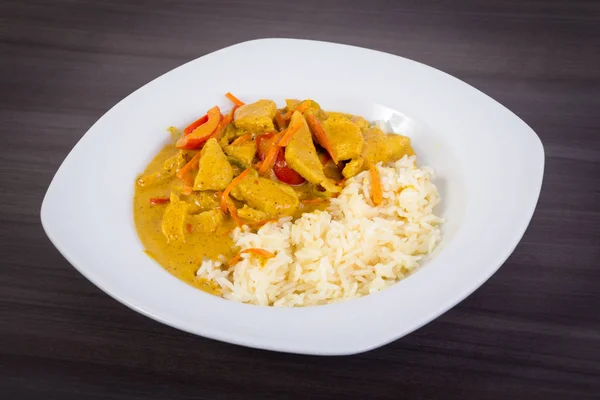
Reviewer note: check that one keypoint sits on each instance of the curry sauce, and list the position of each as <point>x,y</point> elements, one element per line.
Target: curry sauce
<point>180,258</point>
<point>248,167</point>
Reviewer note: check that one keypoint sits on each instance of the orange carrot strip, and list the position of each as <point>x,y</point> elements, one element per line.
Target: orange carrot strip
<point>313,201</point>
<point>271,155</point>
<point>260,252</point>
<point>226,120</point>
<point>234,182</point>
<point>189,228</point>
<point>317,130</point>
<point>185,174</point>
<point>376,192</point>
<point>189,167</point>
<point>243,139</point>
<point>300,107</point>
<point>270,158</point>
<point>265,221</point>
<point>234,214</point>
<point>288,135</point>
<point>234,99</point>
<point>235,259</point>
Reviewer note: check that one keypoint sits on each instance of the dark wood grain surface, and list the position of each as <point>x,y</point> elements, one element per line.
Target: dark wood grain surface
<point>531,332</point>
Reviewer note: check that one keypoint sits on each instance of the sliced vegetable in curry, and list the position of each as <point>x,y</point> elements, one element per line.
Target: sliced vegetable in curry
<point>249,166</point>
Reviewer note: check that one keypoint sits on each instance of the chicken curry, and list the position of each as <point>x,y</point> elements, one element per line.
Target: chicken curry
<point>249,166</point>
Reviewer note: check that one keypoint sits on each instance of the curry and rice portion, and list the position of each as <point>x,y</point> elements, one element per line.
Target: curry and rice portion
<point>294,206</point>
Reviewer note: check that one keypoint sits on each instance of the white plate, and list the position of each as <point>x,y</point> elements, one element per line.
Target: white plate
<point>489,167</point>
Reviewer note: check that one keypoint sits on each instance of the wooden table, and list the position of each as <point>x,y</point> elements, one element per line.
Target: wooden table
<point>531,332</point>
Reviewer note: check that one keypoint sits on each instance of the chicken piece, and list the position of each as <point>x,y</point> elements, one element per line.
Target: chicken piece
<point>385,147</point>
<point>174,163</point>
<point>153,179</point>
<point>274,198</point>
<point>242,152</point>
<point>214,172</point>
<point>360,121</point>
<point>353,167</point>
<point>231,132</point>
<point>249,214</point>
<point>207,221</point>
<point>301,156</point>
<point>174,219</point>
<point>169,167</point>
<point>256,117</point>
<point>378,147</point>
<point>304,106</point>
<point>291,103</point>
<point>345,137</point>
<point>202,201</point>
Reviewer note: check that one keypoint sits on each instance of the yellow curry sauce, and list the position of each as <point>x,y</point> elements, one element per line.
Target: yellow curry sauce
<point>180,213</point>
<point>180,258</point>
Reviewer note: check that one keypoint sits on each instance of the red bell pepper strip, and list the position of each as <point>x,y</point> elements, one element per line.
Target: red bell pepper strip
<point>227,119</point>
<point>159,200</point>
<point>271,155</point>
<point>195,124</point>
<point>263,142</point>
<point>284,173</point>
<point>267,142</point>
<point>202,133</point>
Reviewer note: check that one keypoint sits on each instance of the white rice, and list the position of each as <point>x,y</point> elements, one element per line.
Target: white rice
<point>352,249</point>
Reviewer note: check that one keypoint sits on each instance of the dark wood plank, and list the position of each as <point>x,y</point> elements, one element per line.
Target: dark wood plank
<point>532,331</point>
